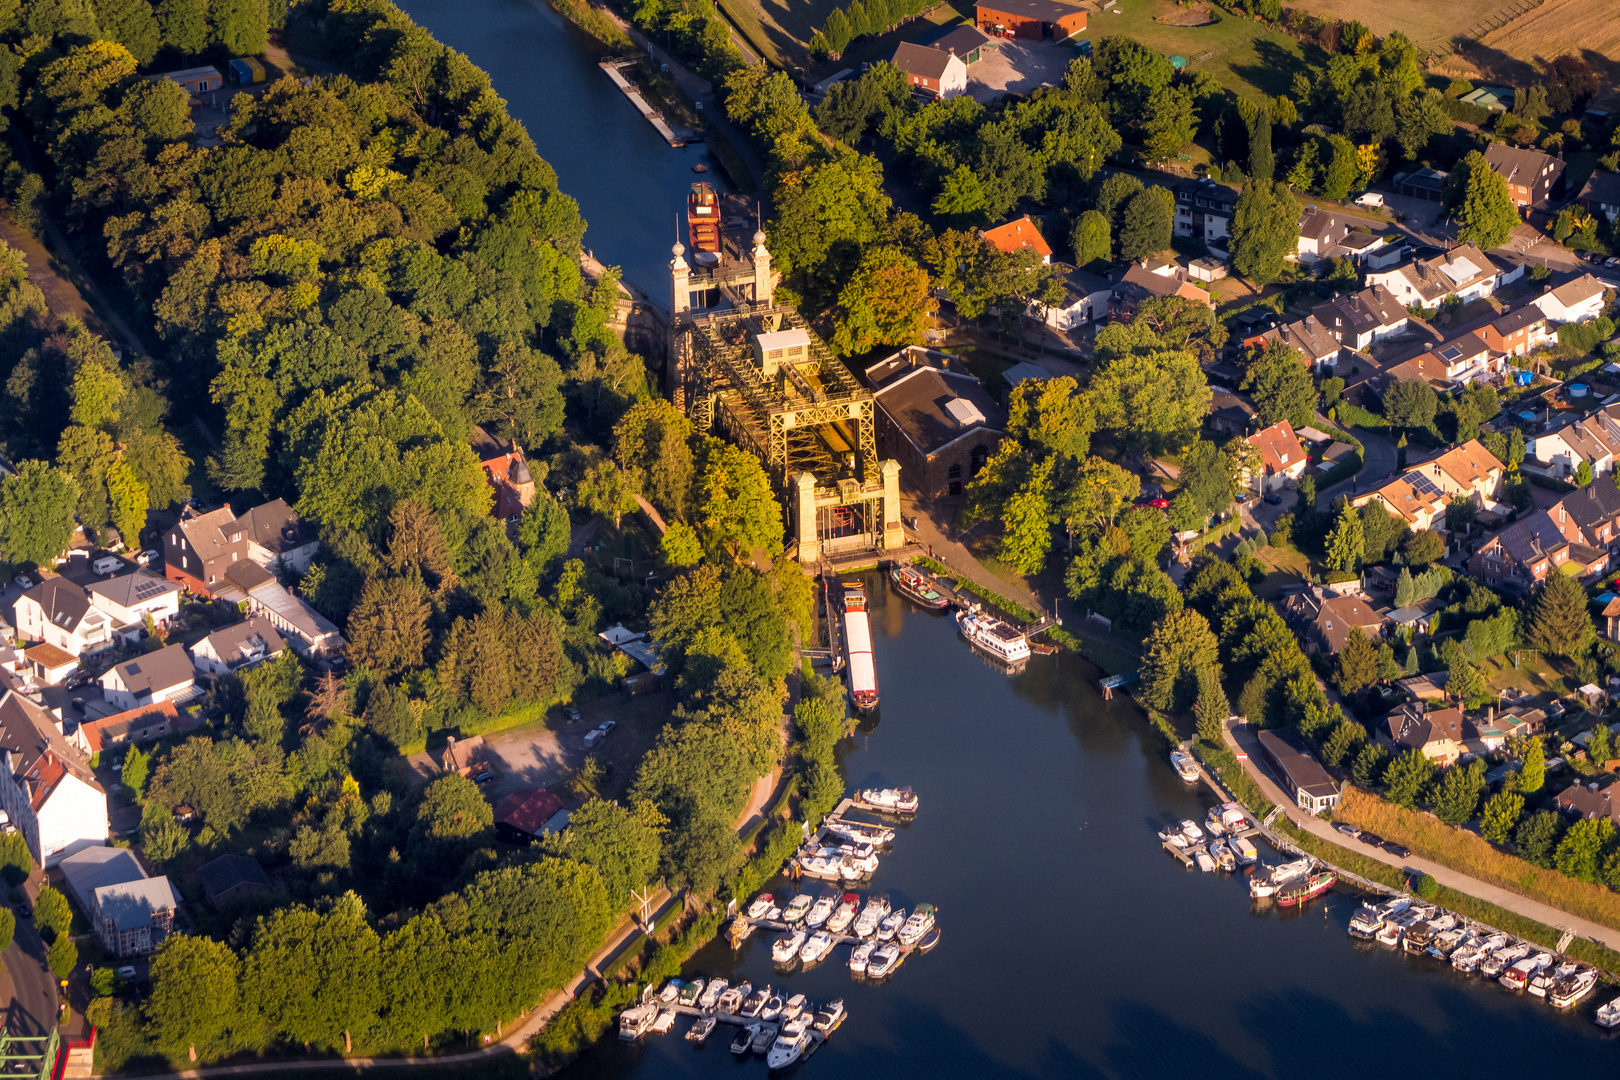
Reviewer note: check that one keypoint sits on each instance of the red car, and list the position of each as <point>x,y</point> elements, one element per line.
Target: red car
<point>1157,504</point>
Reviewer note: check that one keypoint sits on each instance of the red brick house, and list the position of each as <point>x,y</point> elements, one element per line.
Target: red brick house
<point>1032,19</point>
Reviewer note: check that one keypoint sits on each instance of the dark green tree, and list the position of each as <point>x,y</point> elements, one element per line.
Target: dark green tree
<point>1559,622</point>
<point>36,513</point>
<point>1584,847</point>
<point>1180,647</point>
<point>1500,816</point>
<point>1281,385</point>
<point>1537,837</point>
<point>1369,765</point>
<point>184,24</point>
<point>1212,707</point>
<point>1148,223</point>
<point>1265,229</point>
<point>1408,777</point>
<point>1261,162</point>
<point>1356,666</point>
<point>1456,795</point>
<point>1487,216</point>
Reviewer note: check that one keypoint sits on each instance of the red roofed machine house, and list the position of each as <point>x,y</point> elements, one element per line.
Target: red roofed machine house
<point>522,816</point>
<point>506,471</point>
<point>1032,19</point>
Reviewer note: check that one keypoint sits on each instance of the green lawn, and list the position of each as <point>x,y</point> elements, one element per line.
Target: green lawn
<point>1265,64</point>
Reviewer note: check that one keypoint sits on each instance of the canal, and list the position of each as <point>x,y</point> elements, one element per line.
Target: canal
<point>1073,946</point>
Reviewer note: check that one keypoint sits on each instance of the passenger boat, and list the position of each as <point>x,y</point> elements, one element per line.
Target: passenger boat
<point>863,686</point>
<point>901,800</point>
<point>829,1017</point>
<point>1608,1015</point>
<point>844,914</point>
<point>1569,990</point>
<point>1184,765</point>
<point>885,958</point>
<point>634,1021</point>
<point>1519,975</point>
<point>701,1029</point>
<point>1307,888</point>
<point>665,1021</point>
<point>1267,884</point>
<point>1202,858</point>
<point>1223,855</point>
<point>789,1044</point>
<point>992,635</point>
<point>785,948</point>
<point>695,993</point>
<point>744,1040</point>
<point>798,908</point>
<point>866,923</point>
<point>891,924</point>
<point>921,921</point>
<point>794,1006</point>
<point>1543,980</point>
<point>822,908</point>
<point>859,956</point>
<point>816,946</point>
<point>1503,958</point>
<point>917,586</point>
<point>766,1036</point>
<point>671,992</point>
<point>762,904</point>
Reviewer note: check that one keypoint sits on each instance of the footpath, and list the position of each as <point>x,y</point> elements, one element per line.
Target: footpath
<point>1242,741</point>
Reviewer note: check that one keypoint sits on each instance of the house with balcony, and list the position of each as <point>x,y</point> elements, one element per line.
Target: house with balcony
<point>165,675</point>
<point>1520,331</point>
<point>1438,735</point>
<point>1577,301</point>
<point>201,547</point>
<point>1282,459</point>
<point>1362,318</point>
<point>1533,178</point>
<point>130,599</point>
<point>237,647</point>
<point>1464,272</point>
<point>59,613</point>
<point>1204,211</point>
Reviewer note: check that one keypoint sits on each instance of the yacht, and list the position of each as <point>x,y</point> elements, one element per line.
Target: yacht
<point>732,999</point>
<point>921,921</point>
<point>1469,957</point>
<point>816,946</point>
<point>821,909</point>
<point>701,1029</point>
<point>1202,857</point>
<point>821,867</point>
<point>790,1044</point>
<point>885,958</point>
<point>992,635</point>
<point>739,931</point>
<point>1212,823</point>
<point>1608,1015</point>
<point>786,947</point>
<point>1233,817</point>
<point>900,800</point>
<point>1503,958</point>
<point>1543,980</point>
<point>860,956</point>
<point>761,906</point>
<point>854,867</point>
<point>773,1007</point>
<point>797,908</point>
<point>858,832</point>
<point>1519,975</point>
<point>1572,988</point>
<point>766,1036</point>
<point>1185,766</point>
<point>634,1021</point>
<point>671,992</point>
<point>844,914</point>
<point>866,923</point>
<point>1222,854</point>
<point>794,1006</point>
<point>1267,884</point>
<point>1445,943</point>
<point>829,1016</point>
<point>704,997</point>
<point>744,1040</point>
<point>1367,921</point>
<point>1190,829</point>
<point>891,924</point>
<point>917,586</point>
<point>754,1002</point>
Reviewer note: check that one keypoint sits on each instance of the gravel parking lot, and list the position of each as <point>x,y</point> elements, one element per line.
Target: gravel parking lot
<point>1017,67</point>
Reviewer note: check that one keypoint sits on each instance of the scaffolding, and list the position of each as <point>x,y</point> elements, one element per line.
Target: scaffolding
<point>31,1056</point>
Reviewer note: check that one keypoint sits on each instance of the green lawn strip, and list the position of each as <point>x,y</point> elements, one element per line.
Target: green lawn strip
<point>745,18</point>
<point>734,164</point>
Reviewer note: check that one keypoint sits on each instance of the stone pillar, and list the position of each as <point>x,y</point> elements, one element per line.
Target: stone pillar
<point>763,289</point>
<point>893,535</point>
<point>804,518</point>
<point>680,298</point>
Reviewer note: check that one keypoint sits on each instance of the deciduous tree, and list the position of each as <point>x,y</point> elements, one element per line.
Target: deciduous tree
<point>1457,793</point>
<point>885,302</point>
<point>1148,223</point>
<point>36,513</point>
<point>1179,648</point>
<point>1281,385</point>
<point>1500,816</point>
<point>1345,542</point>
<point>1487,216</point>
<point>1265,228</point>
<point>1408,777</point>
<point>193,1007</point>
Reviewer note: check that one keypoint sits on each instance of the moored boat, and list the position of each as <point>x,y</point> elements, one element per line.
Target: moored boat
<point>829,1017</point>
<point>790,1043</point>
<point>793,1006</point>
<point>1190,829</point>
<point>732,998</point>
<point>696,993</point>
<point>1244,850</point>
<point>701,1029</point>
<point>1307,888</point>
<point>1542,982</point>
<point>786,948</point>
<point>1203,859</point>
<point>739,931</point>
<point>859,957</point>
<point>664,1021</point>
<point>761,905</point>
<point>920,922</point>
<point>1569,990</point>
<point>891,924</point>
<point>929,940</point>
<point>1502,959</point>
<point>1367,921</point>
<point>844,914</point>
<point>866,923</point>
<point>772,1009</point>
<point>1519,975</point>
<point>634,1021</point>
<point>1184,765</point>
<point>744,1040</point>
<point>763,1040</point>
<point>1212,822</point>
<point>901,800</point>
<point>1266,884</point>
<point>1445,943</point>
<point>917,586</point>
<point>885,958</point>
<point>822,908</point>
<point>1222,854</point>
<point>754,1002</point>
<point>863,686</point>
<point>858,832</point>
<point>671,992</point>
<point>990,634</point>
<point>815,947</point>
<point>1608,1015</point>
<point>1470,956</point>
<point>797,908</point>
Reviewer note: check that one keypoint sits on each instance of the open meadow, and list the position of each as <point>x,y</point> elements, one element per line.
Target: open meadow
<point>1429,24</point>
<point>1509,54</point>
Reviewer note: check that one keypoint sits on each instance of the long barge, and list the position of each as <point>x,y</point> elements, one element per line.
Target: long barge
<point>863,687</point>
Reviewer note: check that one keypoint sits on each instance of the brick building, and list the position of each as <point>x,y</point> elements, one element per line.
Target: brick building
<point>934,418</point>
<point>1032,19</point>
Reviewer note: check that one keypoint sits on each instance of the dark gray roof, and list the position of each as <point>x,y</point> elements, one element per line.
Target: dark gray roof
<point>161,670</point>
<point>1592,504</point>
<point>28,732</point>
<point>961,39</point>
<point>64,603</point>
<point>90,868</point>
<point>248,575</point>
<point>130,590</point>
<point>1322,226</point>
<point>1361,311</point>
<point>1531,538</point>
<point>1522,165</point>
<point>229,873</point>
<point>1427,179</point>
<point>1044,10</point>
<point>920,405</point>
<point>1304,771</point>
<point>1604,187</point>
<point>921,60</point>
<point>274,526</point>
<point>1079,284</point>
<point>1518,319</point>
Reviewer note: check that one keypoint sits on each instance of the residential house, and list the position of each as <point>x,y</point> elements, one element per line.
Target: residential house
<point>1595,511</point>
<point>1207,268</point>
<point>1229,413</point>
<point>521,817</point>
<point>1519,331</point>
<point>165,675</point>
<point>506,471</point>
<point>1459,361</point>
<point>230,876</point>
<point>1362,318</point>
<point>1085,299</point>
<point>47,790</point>
<point>1559,451</point>
<point>934,418</point>
<point>1318,346</point>
<point>1601,194</point>
<point>1152,279</point>
<point>1589,800</point>
<point>129,728</point>
<point>1580,300</point>
<point>1319,233</point>
<point>964,40</point>
<point>130,912</point>
<point>1035,20</point>
<point>1300,774</point>
<point>201,547</point>
<point>1532,177</point>
<point>237,647</point>
<point>89,869</point>
<point>59,613</point>
<point>470,757</point>
<point>1371,251</point>
<point>1524,552</point>
<point>47,664</point>
<point>1327,616</point>
<point>277,538</point>
<point>1420,495</point>
<point>130,599</point>
<point>1282,459</point>
<point>1204,210</point>
<point>1018,234</point>
<point>932,73</point>
<point>1437,735</point>
<point>310,633</point>
<point>1463,272</point>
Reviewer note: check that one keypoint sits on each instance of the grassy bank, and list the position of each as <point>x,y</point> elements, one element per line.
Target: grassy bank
<point>1224,764</point>
<point>1473,855</point>
<point>595,22</point>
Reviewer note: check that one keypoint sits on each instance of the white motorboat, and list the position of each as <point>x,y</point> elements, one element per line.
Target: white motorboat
<point>891,924</point>
<point>921,921</point>
<point>885,958</point>
<point>854,867</point>
<point>794,1006</point>
<point>731,1001</point>
<point>671,992</point>
<point>1190,829</point>
<point>761,906</point>
<point>665,1021</point>
<point>790,1043</point>
<point>772,1009</point>
<point>634,1021</point>
<point>701,1029</point>
<point>1202,857</point>
<point>754,1002</point>
<point>744,1040</point>
<point>797,908</point>
<point>1469,957</point>
<point>900,800</point>
<point>1569,990</point>
<point>844,914</point>
<point>1184,765</point>
<point>1608,1015</point>
<point>1174,837</point>
<point>858,832</point>
<point>1222,854</point>
<point>1542,982</point>
<point>1212,823</point>
<point>860,956</point>
<point>821,867</point>
<point>829,1016</point>
<point>992,635</point>
<point>786,947</point>
<point>1503,958</point>
<point>1266,884</point>
<point>818,945</point>
<point>774,915</point>
<point>766,1036</point>
<point>1233,817</point>
<point>1367,921</point>
<point>821,909</point>
<point>710,995</point>
<point>866,923</point>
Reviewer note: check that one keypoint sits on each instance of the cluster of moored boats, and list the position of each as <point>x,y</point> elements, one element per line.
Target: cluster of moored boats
<point>883,935</point>
<point>845,849</point>
<point>783,1029</point>
<point>1219,844</point>
<point>1416,927</point>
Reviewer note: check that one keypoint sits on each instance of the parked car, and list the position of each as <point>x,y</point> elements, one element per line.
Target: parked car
<point>1372,839</point>
<point>78,705</point>
<point>594,736</point>
<point>1274,498</point>
<point>571,713</point>
<point>484,777</point>
<point>127,973</point>
<point>1400,851</point>
<point>24,582</point>
<point>606,726</point>
<point>1348,829</point>
<point>147,558</point>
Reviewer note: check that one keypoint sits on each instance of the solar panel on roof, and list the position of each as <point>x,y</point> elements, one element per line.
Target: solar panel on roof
<point>1422,484</point>
<point>150,587</point>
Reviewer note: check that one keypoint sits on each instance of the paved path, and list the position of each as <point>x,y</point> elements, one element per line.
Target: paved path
<point>1377,462</point>
<point>27,983</point>
<point>1242,741</point>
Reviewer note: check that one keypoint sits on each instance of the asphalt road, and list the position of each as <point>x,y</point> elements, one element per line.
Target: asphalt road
<point>28,981</point>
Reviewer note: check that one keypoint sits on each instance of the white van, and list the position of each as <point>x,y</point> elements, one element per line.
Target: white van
<point>107,564</point>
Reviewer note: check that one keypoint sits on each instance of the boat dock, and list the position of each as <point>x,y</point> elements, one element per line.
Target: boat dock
<point>614,72</point>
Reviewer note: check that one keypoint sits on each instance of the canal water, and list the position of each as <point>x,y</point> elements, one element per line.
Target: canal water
<point>1072,945</point>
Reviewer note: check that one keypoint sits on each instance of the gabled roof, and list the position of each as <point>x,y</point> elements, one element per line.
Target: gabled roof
<point>92,868</point>
<point>1592,505</point>
<point>922,60</point>
<point>1521,165</point>
<point>1278,447</point>
<point>132,590</point>
<point>1044,10</point>
<point>39,753</point>
<point>1016,234</point>
<point>1469,464</point>
<point>1323,227</point>
<point>109,729</point>
<point>1581,289</point>
<point>1079,284</point>
<point>162,670</point>
<point>1367,310</point>
<point>1310,337</point>
<point>1414,729</point>
<point>245,641</point>
<point>274,526</point>
<point>230,872</point>
<point>1581,799</point>
<point>1533,538</point>
<point>248,575</point>
<point>1518,319</point>
<point>207,533</point>
<point>961,39</point>
<point>1603,187</point>
<point>64,603</point>
<point>527,810</point>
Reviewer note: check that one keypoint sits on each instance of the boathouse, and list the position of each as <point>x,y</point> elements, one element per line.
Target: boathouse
<point>1298,772</point>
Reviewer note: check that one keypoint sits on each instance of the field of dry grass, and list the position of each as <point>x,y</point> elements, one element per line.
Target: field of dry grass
<point>1432,838</point>
<point>1430,23</point>
<point>1588,28</point>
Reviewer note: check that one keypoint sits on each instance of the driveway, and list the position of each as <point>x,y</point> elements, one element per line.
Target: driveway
<point>1378,461</point>
<point>1017,67</point>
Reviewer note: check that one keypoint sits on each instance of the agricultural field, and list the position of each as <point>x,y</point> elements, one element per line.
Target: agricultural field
<point>1508,55</point>
<point>1429,24</point>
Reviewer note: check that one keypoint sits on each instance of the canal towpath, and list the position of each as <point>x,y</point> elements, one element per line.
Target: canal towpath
<point>1242,741</point>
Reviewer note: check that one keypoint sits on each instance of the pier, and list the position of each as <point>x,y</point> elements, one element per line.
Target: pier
<point>614,72</point>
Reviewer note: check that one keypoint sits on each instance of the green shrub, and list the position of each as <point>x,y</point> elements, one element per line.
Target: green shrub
<point>1426,887</point>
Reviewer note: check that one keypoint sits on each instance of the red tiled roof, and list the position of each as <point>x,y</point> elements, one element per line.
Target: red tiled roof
<point>94,729</point>
<point>527,810</point>
<point>1278,446</point>
<point>1018,234</point>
